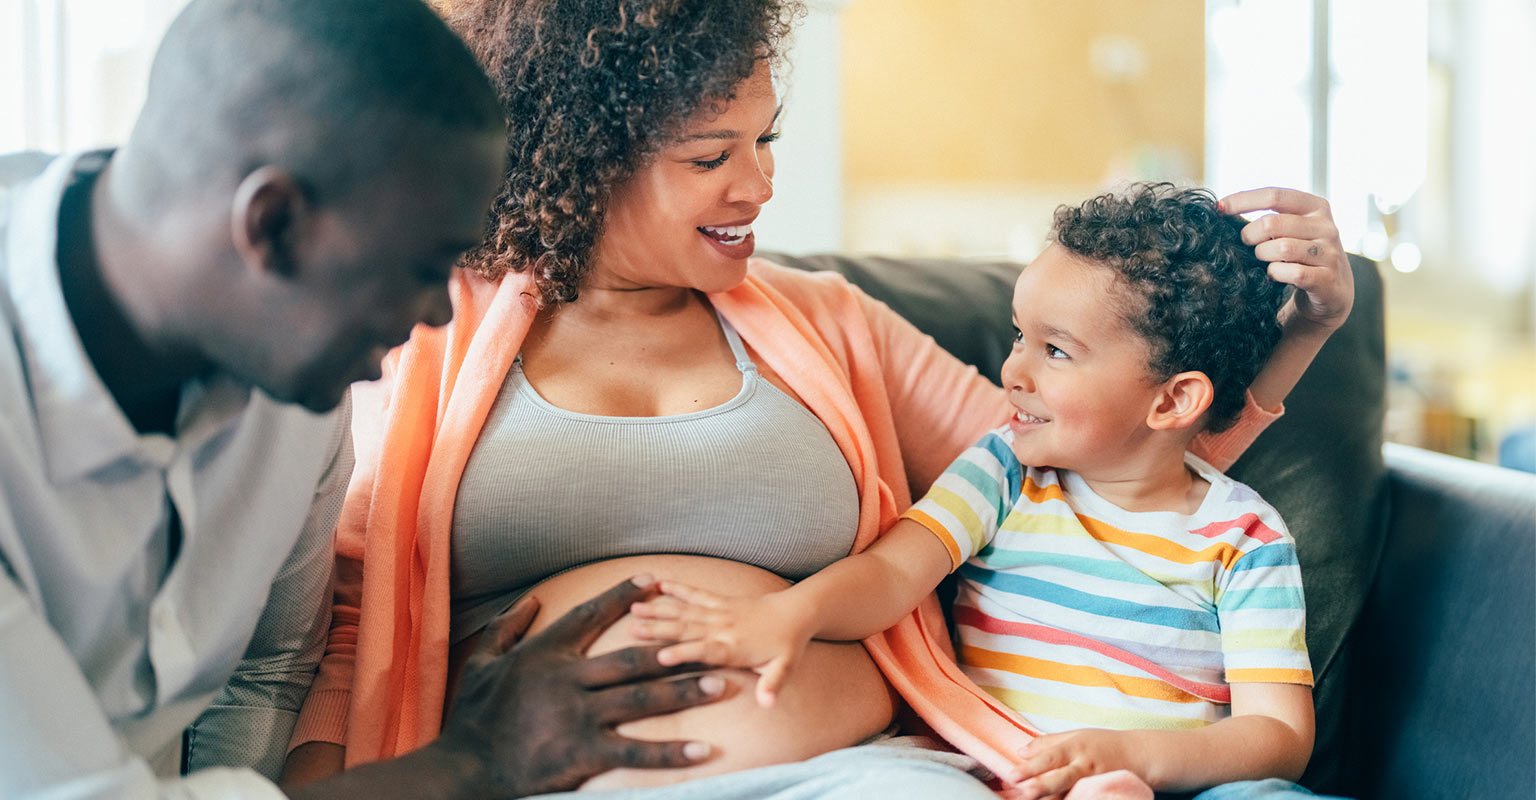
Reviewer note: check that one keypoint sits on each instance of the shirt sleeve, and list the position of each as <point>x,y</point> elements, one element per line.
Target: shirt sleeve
<point>251,720</point>
<point>54,739</point>
<point>1263,617</point>
<point>940,405</point>
<point>969,501</point>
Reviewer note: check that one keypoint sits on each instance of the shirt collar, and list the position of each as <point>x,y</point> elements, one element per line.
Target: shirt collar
<point>80,425</point>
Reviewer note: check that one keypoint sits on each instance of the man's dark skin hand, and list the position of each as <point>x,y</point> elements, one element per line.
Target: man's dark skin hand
<point>537,715</point>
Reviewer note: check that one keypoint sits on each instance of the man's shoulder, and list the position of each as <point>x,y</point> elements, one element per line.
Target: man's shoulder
<point>16,171</point>
<point>23,166</point>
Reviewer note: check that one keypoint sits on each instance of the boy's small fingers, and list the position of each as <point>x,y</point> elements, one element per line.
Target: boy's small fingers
<point>771,680</point>
<point>682,653</point>
<point>689,594</point>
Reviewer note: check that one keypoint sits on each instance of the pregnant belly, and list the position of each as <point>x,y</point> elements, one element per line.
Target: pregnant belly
<point>836,696</point>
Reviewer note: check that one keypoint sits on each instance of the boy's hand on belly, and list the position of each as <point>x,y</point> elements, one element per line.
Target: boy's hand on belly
<point>544,714</point>
<point>767,633</point>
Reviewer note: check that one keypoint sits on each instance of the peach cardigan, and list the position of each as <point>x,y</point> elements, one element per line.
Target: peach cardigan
<point>898,406</point>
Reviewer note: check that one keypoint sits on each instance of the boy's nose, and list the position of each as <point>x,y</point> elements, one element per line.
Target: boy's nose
<point>1016,374</point>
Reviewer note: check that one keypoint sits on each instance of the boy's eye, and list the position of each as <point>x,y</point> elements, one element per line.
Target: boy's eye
<point>1018,336</point>
<point>713,162</point>
<point>1052,351</point>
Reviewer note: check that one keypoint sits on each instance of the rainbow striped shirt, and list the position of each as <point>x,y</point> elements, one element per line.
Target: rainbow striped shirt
<point>1080,614</point>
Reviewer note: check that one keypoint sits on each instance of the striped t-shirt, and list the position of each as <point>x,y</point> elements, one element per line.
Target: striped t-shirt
<point>1080,614</point>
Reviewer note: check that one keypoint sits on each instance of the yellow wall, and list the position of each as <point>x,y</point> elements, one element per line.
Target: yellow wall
<point>1002,91</point>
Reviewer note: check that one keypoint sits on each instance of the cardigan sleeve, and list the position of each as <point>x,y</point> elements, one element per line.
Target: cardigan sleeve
<point>323,717</point>
<point>940,405</point>
<point>1221,450</point>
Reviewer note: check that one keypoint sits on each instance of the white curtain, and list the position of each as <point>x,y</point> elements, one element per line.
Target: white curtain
<point>72,72</point>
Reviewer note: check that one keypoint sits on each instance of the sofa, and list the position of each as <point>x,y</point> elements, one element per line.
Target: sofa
<point>1419,568</point>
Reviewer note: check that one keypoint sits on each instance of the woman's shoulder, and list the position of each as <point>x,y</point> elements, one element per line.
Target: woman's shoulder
<point>793,279</point>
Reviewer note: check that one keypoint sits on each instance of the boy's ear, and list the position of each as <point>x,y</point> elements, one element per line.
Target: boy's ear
<point>1181,401</point>
<point>266,215</point>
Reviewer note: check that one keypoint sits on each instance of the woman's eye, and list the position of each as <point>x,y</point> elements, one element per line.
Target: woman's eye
<point>768,138</point>
<point>713,162</point>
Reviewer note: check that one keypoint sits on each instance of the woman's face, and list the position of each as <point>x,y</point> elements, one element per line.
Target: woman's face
<point>685,218</point>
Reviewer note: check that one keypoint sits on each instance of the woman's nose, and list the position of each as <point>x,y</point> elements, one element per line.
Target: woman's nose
<point>754,182</point>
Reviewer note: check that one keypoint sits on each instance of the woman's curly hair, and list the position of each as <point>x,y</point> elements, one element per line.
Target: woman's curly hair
<point>1197,294</point>
<point>591,89</point>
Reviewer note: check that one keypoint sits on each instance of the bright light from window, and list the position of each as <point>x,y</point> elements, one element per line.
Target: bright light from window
<point>1406,257</point>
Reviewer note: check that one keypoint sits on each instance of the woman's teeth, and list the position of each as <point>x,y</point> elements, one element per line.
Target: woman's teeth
<point>730,234</point>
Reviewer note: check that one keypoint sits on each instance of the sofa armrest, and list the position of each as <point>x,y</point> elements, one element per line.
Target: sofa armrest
<point>1444,679</point>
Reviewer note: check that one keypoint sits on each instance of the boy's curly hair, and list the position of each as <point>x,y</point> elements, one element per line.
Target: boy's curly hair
<point>591,89</point>
<point>1195,292</point>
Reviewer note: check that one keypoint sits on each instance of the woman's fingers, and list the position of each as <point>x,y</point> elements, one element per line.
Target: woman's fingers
<point>1274,198</point>
<point>1289,226</point>
<point>1298,251</point>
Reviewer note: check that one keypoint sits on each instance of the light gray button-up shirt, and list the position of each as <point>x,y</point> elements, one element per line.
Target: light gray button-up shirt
<point>108,651</point>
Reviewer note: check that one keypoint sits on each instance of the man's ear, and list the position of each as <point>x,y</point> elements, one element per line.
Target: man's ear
<point>268,208</point>
<point>1181,401</point>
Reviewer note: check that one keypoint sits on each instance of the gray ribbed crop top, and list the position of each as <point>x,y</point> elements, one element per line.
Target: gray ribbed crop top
<point>757,479</point>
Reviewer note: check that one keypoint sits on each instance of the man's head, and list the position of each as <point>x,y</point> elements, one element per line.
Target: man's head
<point>1185,282</point>
<point>318,167</point>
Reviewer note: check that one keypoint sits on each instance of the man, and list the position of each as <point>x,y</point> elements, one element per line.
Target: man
<point>182,319</point>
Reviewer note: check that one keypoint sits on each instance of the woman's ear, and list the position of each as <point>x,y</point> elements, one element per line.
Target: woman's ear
<point>265,216</point>
<point>1181,401</point>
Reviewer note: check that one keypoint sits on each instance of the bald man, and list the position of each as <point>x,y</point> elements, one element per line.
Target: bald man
<point>183,317</point>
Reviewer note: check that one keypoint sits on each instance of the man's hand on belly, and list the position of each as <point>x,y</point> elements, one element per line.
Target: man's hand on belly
<point>543,714</point>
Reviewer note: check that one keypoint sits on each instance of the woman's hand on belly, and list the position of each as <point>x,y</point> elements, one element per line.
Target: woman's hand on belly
<point>836,697</point>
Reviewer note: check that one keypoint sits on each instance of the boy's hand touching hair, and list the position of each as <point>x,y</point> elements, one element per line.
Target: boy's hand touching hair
<point>762,633</point>
<point>1301,242</point>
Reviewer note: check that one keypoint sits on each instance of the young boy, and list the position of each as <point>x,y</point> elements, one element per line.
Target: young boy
<point>1132,603</point>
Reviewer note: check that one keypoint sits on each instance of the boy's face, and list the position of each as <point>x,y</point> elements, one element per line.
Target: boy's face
<point>1077,375</point>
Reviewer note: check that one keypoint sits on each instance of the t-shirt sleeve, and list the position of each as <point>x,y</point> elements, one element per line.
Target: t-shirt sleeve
<point>1263,617</point>
<point>970,499</point>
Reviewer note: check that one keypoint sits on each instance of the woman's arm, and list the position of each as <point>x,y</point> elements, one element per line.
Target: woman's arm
<point>940,405</point>
<point>851,599</point>
<point>1302,245</point>
<point>1301,242</point>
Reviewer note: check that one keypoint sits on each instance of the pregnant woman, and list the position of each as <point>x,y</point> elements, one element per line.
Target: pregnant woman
<point>623,390</point>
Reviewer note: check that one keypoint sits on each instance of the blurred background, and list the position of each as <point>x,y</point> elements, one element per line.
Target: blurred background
<point>955,127</point>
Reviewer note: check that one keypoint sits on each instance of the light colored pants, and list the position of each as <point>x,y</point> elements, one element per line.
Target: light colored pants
<point>893,769</point>
<point>1271,789</point>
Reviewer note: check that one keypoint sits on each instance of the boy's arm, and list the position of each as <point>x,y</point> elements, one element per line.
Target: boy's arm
<point>850,599</point>
<point>1269,735</point>
<point>1301,242</point>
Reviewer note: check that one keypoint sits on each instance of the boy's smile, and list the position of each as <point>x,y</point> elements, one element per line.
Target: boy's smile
<point>1077,376</point>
